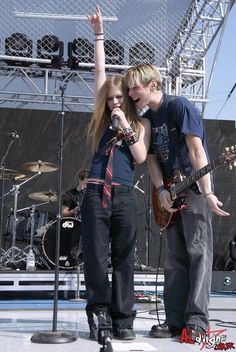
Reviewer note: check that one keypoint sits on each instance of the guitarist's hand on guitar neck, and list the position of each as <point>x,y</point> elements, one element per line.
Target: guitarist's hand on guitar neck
<point>214,204</point>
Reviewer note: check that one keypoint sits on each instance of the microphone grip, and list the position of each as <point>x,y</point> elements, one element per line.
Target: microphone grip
<point>114,123</point>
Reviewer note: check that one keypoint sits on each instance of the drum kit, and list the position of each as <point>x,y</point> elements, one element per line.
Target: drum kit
<point>38,227</point>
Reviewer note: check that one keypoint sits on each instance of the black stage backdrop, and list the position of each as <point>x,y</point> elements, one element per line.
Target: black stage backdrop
<point>39,133</point>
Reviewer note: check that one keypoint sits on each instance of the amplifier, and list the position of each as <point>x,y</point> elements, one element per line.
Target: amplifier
<point>223,281</point>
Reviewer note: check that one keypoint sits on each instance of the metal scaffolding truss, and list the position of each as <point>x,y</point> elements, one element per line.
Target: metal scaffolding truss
<point>181,62</point>
<point>186,57</point>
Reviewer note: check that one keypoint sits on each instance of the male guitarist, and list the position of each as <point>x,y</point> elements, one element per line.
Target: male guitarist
<point>178,144</point>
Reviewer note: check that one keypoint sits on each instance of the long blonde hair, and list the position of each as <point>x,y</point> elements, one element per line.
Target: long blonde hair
<point>101,118</point>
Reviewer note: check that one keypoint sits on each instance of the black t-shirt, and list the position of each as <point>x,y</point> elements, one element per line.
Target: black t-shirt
<point>73,198</point>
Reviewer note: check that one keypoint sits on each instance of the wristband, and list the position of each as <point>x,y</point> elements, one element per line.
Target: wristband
<point>132,139</point>
<point>97,39</point>
<point>160,189</point>
<point>128,131</point>
<point>99,33</point>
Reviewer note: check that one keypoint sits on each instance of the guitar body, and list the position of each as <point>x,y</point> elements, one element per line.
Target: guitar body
<point>164,218</point>
<point>179,184</point>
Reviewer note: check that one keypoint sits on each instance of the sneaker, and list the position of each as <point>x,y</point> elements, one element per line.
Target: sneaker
<point>123,333</point>
<point>195,331</point>
<point>93,332</point>
<point>164,331</point>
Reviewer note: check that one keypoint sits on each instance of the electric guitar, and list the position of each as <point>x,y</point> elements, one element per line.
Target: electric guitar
<point>178,184</point>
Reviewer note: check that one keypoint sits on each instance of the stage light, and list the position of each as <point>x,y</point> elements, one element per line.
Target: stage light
<point>80,51</point>
<point>18,45</point>
<point>49,47</point>
<point>141,53</point>
<point>114,52</point>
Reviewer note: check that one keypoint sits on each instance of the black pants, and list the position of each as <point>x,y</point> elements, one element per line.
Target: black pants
<point>116,224</point>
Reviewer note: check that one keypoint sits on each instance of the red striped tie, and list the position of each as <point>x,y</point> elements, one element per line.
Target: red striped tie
<point>106,194</point>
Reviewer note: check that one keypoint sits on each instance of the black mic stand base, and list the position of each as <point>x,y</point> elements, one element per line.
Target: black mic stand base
<point>52,337</point>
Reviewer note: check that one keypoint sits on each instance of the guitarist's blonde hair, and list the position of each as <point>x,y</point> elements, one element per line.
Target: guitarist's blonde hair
<point>143,74</point>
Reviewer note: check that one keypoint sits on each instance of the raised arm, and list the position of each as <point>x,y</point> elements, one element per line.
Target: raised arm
<point>97,26</point>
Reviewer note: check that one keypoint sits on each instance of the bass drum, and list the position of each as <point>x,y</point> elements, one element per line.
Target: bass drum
<point>70,255</point>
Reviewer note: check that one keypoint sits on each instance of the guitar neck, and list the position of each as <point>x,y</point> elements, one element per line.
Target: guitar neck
<point>189,180</point>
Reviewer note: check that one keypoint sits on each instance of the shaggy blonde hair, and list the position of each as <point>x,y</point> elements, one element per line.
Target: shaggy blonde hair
<point>101,118</point>
<point>143,74</point>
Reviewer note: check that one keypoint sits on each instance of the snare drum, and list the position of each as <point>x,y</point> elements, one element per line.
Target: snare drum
<point>70,254</point>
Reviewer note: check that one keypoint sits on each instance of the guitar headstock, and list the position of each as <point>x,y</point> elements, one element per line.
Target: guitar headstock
<point>229,156</point>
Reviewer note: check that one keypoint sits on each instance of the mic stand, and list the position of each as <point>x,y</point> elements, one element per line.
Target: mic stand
<point>55,336</point>
<point>148,230</point>
<point>104,333</point>
<point>148,224</point>
<point>2,168</point>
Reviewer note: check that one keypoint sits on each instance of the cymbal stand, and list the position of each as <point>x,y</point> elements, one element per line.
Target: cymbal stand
<point>38,257</point>
<point>32,227</point>
<point>15,189</point>
<point>2,167</point>
<point>32,220</point>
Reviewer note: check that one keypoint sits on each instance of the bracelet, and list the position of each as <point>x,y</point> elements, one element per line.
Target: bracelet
<point>130,140</point>
<point>99,33</point>
<point>128,131</point>
<point>208,194</point>
<point>97,39</point>
<point>160,189</point>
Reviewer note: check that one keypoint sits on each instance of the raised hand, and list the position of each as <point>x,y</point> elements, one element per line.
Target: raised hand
<point>96,21</point>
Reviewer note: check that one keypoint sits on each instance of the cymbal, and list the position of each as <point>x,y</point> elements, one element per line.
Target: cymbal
<point>39,166</point>
<point>10,174</point>
<point>44,196</point>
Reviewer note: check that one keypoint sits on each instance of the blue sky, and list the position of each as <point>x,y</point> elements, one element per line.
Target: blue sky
<point>224,76</point>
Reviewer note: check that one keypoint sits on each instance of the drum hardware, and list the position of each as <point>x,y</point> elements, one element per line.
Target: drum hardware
<point>136,186</point>
<point>148,213</point>
<point>39,259</point>
<point>11,175</point>
<point>16,253</point>
<point>138,265</point>
<point>39,166</point>
<point>49,196</point>
<point>13,136</point>
<point>32,219</point>
<point>13,257</point>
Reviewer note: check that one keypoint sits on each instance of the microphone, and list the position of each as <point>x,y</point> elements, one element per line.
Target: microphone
<point>114,123</point>
<point>13,135</point>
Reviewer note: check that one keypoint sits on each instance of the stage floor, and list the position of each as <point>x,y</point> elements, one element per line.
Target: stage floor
<point>20,319</point>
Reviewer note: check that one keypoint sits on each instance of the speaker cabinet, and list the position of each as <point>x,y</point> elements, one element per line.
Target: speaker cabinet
<point>223,281</point>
